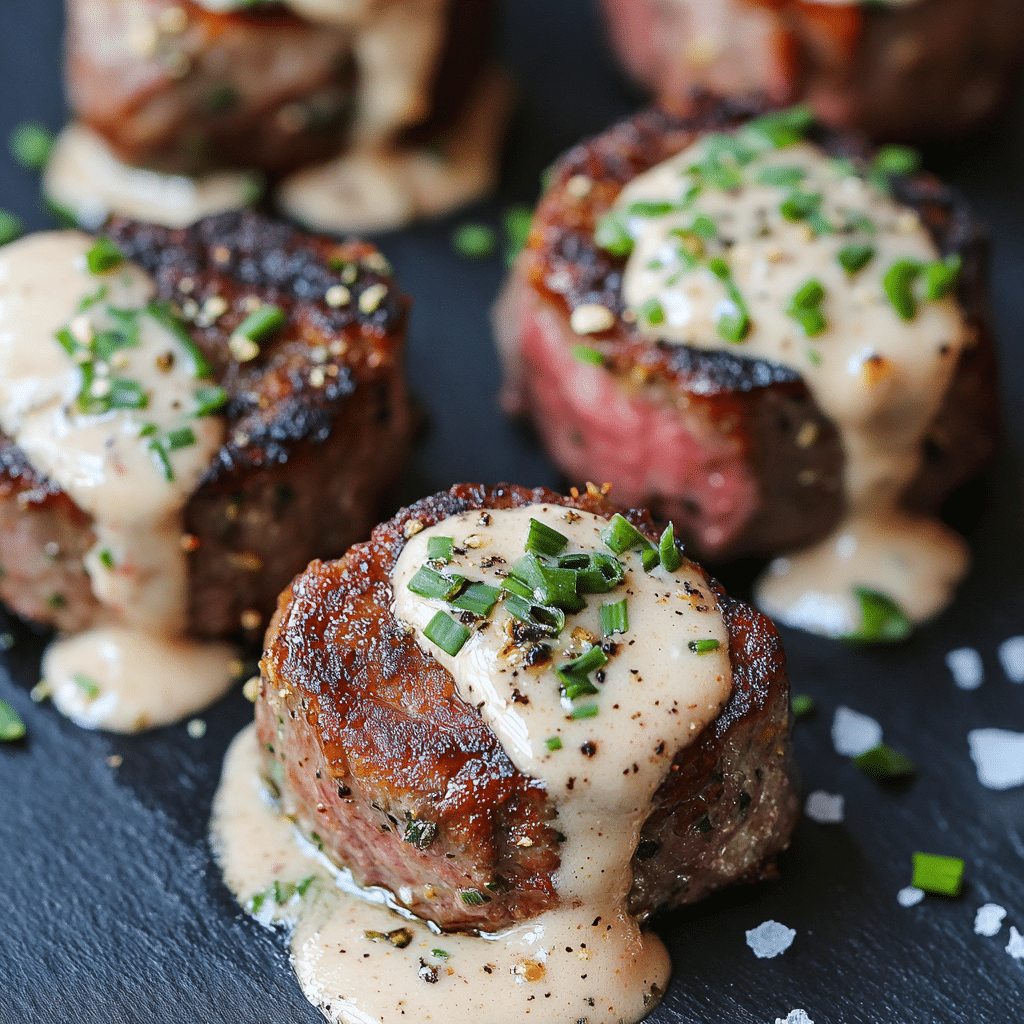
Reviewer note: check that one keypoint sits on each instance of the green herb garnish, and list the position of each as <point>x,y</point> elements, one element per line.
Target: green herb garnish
<point>420,833</point>
<point>553,743</point>
<point>784,177</point>
<point>941,875</point>
<point>802,705</point>
<point>474,241</point>
<point>106,559</point>
<point>585,711</point>
<point>430,583</point>
<point>882,762</point>
<point>671,558</point>
<point>441,954</point>
<point>477,598</point>
<point>473,897</point>
<point>165,316</point>
<point>941,276</point>
<point>261,323</point>
<point>853,258</point>
<point>440,549</point>
<point>586,354</point>
<point>653,312</point>
<point>732,326</point>
<point>596,572</point>
<point>30,145</point>
<point>12,728</point>
<point>86,685</point>
<point>882,619</point>
<point>614,618</point>
<point>703,646</point>
<point>103,255</point>
<point>621,535</point>
<point>550,621</point>
<point>543,540</point>
<point>898,284</point>
<point>11,227</point>
<point>805,308</point>
<point>210,400</point>
<point>446,633</point>
<point>517,230</point>
<point>612,236</point>
<point>779,129</point>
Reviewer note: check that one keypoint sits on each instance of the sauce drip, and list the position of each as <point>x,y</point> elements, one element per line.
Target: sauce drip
<point>879,375</point>
<point>126,672</point>
<point>586,958</point>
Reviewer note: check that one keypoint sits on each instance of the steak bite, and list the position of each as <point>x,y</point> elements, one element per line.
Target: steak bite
<point>383,760</point>
<point>316,424</point>
<point>723,434</point>
<point>895,70</point>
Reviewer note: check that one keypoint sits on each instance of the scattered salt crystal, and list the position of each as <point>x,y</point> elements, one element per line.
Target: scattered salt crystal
<point>853,733</point>
<point>999,757</point>
<point>965,664</point>
<point>1015,947</point>
<point>910,896</point>
<point>825,808</point>
<point>1011,657</point>
<point>196,728</point>
<point>989,919</point>
<point>770,939</point>
<point>795,1017</point>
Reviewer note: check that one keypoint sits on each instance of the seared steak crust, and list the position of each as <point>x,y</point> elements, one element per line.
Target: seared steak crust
<point>317,425</point>
<point>382,763</point>
<point>752,407</point>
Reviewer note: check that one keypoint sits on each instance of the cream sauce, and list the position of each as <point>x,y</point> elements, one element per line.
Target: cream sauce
<point>879,378</point>
<point>85,178</point>
<point>125,673</point>
<point>587,958</point>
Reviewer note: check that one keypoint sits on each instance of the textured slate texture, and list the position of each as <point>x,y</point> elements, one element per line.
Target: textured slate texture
<point>111,910</point>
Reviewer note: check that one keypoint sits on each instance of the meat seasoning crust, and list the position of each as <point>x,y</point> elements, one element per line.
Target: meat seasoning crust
<point>384,766</point>
<point>318,424</point>
<point>762,409</point>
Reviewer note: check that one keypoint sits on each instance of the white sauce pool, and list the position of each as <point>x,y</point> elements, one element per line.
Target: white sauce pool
<point>588,958</point>
<point>134,669</point>
<point>880,378</point>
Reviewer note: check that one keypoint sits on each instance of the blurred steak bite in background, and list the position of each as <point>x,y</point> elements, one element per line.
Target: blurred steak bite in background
<point>892,68</point>
<point>213,95</point>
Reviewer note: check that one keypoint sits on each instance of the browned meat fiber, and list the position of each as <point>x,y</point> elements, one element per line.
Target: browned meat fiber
<point>175,87</point>
<point>755,417</point>
<point>931,68</point>
<point>318,426</point>
<point>368,744</point>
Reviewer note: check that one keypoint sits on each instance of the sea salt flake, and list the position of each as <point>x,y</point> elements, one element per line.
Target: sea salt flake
<point>770,939</point>
<point>824,808</point>
<point>999,757</point>
<point>1015,947</point>
<point>853,733</point>
<point>795,1017</point>
<point>910,896</point>
<point>989,919</point>
<point>1011,657</point>
<point>965,665</point>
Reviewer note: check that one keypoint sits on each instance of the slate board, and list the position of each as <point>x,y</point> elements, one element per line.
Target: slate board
<point>111,910</point>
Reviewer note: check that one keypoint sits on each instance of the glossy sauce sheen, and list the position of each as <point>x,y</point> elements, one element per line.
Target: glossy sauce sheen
<point>134,669</point>
<point>587,958</point>
<point>879,378</point>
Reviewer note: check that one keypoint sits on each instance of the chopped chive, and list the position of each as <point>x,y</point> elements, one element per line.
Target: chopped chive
<point>478,598</point>
<point>210,399</point>
<point>650,558</point>
<point>732,326</point>
<point>148,430</point>
<point>612,236</point>
<point>551,585</point>
<point>585,711</point>
<point>812,321</point>
<point>814,357</point>
<point>164,316</point>
<point>779,129</point>
<point>805,206</point>
<point>543,540</point>
<point>553,743</point>
<point>184,437</point>
<point>649,209</point>
<point>586,354</point>
<point>473,897</point>
<point>106,559</point>
<point>802,705</point>
<point>784,177</point>
<point>548,620</point>
<point>572,687</point>
<point>104,255</point>
<point>941,875</point>
<point>586,663</point>
<point>448,634</point>
<point>882,762</point>
<point>261,323</point>
<point>596,572</point>
<point>441,954</point>
<point>440,549</point>
<point>474,241</point>
<point>12,728</point>
<point>127,394</point>
<point>518,220</point>
<point>517,587</point>
<point>621,535</point>
<point>303,884</point>
<point>614,618</point>
<point>86,685</point>
<point>882,619</point>
<point>11,227</point>
<point>159,455</point>
<point>30,145</point>
<point>898,282</point>
<point>432,584</point>
<point>67,340</point>
<point>853,258</point>
<point>896,160</point>
<point>941,276</point>
<point>703,646</point>
<point>653,312</point>
<point>808,295</point>
<point>671,558</point>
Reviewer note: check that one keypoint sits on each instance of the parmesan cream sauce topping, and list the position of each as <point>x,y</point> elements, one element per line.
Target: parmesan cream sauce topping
<point>134,668</point>
<point>880,378</point>
<point>586,959</point>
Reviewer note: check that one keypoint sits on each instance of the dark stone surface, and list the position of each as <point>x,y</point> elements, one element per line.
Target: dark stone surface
<point>112,911</point>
